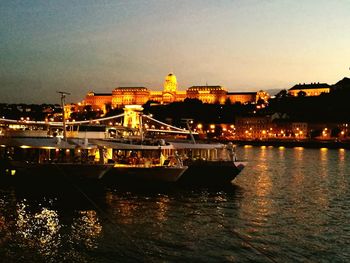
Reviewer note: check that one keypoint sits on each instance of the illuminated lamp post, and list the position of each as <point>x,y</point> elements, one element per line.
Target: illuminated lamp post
<point>342,133</point>
<point>282,133</point>
<point>324,132</point>
<point>200,128</point>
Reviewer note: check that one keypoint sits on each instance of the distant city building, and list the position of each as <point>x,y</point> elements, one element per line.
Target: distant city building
<point>264,127</point>
<point>313,89</point>
<point>248,97</point>
<point>207,94</point>
<point>97,100</point>
<point>129,96</point>
<point>300,129</point>
<point>123,96</point>
<point>241,97</point>
<point>170,93</point>
<point>253,127</point>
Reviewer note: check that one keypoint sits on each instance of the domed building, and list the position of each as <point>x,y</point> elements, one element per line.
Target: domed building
<point>170,83</point>
<point>170,88</point>
<point>122,96</point>
<point>170,93</point>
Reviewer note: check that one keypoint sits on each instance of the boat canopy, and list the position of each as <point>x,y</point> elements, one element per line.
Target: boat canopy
<point>45,143</point>
<point>129,146</point>
<point>204,146</point>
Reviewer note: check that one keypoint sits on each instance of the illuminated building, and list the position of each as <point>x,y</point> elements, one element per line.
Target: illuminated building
<point>97,100</point>
<point>170,84</point>
<point>300,129</point>
<point>170,93</point>
<point>262,95</point>
<point>122,96</point>
<point>68,109</point>
<point>129,96</point>
<point>132,116</point>
<point>253,127</point>
<point>207,94</point>
<point>313,89</point>
<point>241,97</point>
<point>248,97</point>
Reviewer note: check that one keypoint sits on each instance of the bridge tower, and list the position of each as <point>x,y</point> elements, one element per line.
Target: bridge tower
<point>132,116</point>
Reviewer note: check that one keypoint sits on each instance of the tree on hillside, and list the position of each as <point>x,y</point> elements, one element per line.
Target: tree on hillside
<point>282,94</point>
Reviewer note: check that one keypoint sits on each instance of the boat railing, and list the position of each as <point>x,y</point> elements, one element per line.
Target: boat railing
<point>206,151</point>
<point>170,161</point>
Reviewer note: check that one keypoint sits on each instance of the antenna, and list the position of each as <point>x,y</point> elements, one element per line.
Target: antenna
<point>63,96</point>
<point>63,92</point>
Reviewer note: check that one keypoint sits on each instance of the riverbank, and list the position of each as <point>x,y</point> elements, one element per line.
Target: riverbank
<point>295,143</point>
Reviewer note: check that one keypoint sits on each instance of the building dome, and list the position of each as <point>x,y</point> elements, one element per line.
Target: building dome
<point>170,83</point>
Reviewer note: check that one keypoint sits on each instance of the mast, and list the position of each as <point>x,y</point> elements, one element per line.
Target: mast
<point>63,96</point>
<point>140,127</point>
<point>189,129</point>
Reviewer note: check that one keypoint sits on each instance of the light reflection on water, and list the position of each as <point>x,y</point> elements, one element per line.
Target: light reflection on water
<point>86,229</point>
<point>39,230</point>
<point>309,190</point>
<point>292,204</point>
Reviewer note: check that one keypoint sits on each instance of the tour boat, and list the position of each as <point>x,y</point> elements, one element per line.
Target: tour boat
<point>196,164</point>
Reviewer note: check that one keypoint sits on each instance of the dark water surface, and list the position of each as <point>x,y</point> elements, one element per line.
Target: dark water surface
<point>288,205</point>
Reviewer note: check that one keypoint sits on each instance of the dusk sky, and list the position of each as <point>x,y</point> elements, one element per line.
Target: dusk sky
<point>78,46</point>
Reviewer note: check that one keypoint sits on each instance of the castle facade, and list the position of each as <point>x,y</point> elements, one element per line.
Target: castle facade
<point>122,96</point>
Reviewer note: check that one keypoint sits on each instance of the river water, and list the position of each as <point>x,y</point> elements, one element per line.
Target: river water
<point>288,205</point>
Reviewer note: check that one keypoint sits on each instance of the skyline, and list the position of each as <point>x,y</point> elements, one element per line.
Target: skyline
<point>47,46</point>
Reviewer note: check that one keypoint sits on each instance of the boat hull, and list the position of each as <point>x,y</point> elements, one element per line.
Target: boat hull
<point>56,170</point>
<point>211,173</point>
<point>146,174</point>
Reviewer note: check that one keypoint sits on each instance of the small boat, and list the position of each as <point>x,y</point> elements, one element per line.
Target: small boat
<point>136,162</point>
<point>51,157</point>
<point>209,164</point>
